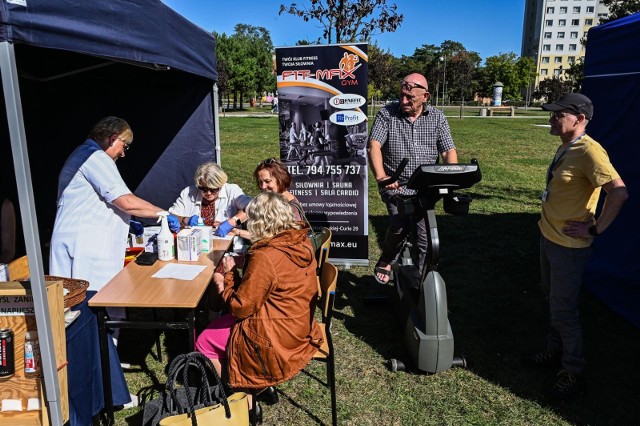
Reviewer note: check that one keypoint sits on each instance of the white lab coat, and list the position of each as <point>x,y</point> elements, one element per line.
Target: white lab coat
<point>90,233</point>
<point>230,199</point>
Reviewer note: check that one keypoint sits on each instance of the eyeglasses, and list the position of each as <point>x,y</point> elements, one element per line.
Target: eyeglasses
<point>409,86</point>
<point>558,115</point>
<point>125,145</point>
<point>207,189</point>
<point>268,161</point>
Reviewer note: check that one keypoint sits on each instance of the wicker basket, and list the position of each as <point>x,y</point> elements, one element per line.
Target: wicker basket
<point>77,289</point>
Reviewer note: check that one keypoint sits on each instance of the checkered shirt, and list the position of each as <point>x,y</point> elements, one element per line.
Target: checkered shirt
<point>420,141</point>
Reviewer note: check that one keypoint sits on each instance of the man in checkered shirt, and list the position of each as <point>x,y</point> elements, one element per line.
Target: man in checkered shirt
<point>419,132</point>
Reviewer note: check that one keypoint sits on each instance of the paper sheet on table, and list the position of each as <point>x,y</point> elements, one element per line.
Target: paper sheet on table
<point>179,271</point>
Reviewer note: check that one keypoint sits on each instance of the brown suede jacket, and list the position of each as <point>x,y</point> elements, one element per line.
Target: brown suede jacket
<point>275,335</point>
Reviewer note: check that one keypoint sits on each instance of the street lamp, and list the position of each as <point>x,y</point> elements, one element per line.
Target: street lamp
<point>444,80</point>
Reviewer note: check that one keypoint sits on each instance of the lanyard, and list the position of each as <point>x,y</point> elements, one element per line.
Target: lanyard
<point>557,160</point>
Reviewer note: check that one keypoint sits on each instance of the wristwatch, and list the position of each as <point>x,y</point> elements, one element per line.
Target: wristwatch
<point>593,231</point>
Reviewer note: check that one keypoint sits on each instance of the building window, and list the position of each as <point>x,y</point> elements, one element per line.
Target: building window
<point>549,22</point>
<point>584,34</point>
<point>559,48</point>
<point>545,59</point>
<point>563,10</point>
<point>571,59</point>
<point>544,71</point>
<point>551,10</point>
<point>589,9</point>
<point>575,22</point>
<point>576,9</point>
<point>572,47</point>
<point>588,21</point>
<point>562,22</point>
<point>546,47</point>
<point>557,72</point>
<point>574,34</point>
<point>547,35</point>
<point>557,59</point>
<point>561,34</point>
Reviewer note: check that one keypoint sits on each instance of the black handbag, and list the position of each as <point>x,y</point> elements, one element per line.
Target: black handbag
<point>209,389</point>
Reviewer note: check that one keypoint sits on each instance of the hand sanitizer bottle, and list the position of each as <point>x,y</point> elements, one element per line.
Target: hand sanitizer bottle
<point>166,247</point>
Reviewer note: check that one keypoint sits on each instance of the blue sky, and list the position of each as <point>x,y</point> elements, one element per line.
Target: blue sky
<point>488,27</point>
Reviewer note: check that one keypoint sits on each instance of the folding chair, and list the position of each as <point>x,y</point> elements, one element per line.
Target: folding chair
<point>322,253</point>
<point>328,280</point>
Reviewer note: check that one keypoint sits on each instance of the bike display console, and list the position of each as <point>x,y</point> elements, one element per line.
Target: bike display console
<point>444,176</point>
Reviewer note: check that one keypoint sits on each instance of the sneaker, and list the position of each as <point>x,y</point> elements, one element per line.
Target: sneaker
<point>567,385</point>
<point>134,402</point>
<point>543,360</point>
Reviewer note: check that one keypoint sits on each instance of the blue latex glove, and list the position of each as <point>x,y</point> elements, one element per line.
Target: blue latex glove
<point>193,220</point>
<point>136,228</point>
<point>174,223</point>
<point>224,228</point>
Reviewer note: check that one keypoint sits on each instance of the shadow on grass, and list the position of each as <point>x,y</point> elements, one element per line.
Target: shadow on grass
<point>498,315</point>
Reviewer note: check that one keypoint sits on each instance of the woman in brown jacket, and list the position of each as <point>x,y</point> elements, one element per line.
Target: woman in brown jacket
<point>273,334</point>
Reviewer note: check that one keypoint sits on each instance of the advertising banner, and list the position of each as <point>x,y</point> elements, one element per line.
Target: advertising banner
<point>322,108</point>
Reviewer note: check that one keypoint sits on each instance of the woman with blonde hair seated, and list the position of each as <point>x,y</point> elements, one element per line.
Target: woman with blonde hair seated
<point>269,334</point>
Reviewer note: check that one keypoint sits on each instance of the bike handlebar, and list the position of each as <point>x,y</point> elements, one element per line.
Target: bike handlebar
<point>396,175</point>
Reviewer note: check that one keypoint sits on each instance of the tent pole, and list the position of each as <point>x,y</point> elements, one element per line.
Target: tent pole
<point>216,123</point>
<point>18,138</point>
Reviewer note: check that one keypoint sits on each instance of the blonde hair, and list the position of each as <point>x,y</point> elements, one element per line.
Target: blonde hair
<point>211,175</point>
<point>269,214</point>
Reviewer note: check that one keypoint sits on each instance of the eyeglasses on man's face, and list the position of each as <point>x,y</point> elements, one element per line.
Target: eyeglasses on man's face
<point>125,144</point>
<point>559,115</point>
<point>410,85</point>
<point>210,190</point>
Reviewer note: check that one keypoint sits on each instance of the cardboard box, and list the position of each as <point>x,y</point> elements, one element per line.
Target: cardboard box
<point>189,244</point>
<point>149,232</point>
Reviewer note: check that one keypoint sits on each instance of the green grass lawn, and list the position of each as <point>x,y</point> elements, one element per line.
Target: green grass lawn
<point>489,260</point>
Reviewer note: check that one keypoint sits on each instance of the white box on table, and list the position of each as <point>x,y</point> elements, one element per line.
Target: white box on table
<point>206,235</point>
<point>189,244</point>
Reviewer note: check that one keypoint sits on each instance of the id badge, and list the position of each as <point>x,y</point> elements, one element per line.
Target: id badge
<point>545,195</point>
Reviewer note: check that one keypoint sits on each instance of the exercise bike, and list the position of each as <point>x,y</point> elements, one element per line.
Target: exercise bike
<point>419,298</point>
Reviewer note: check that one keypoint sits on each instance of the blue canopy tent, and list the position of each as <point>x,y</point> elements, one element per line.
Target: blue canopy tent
<point>612,81</point>
<point>67,63</point>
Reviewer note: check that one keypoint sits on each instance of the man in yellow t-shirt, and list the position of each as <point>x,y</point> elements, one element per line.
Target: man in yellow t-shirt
<point>578,172</point>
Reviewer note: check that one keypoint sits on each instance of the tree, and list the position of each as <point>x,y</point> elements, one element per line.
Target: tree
<point>502,68</point>
<point>620,8</point>
<point>552,89</point>
<point>348,21</point>
<point>383,68</point>
<point>458,69</point>
<point>575,74</point>
<point>246,57</point>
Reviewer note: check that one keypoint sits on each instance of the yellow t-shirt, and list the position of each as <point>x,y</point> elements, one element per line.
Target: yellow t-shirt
<point>574,189</point>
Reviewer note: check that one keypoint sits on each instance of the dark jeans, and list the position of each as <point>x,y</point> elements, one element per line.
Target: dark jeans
<point>561,270</point>
<point>399,228</point>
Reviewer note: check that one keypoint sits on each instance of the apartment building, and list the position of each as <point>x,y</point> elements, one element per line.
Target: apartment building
<point>552,32</point>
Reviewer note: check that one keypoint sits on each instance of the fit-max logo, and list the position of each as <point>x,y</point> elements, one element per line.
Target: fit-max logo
<point>450,168</point>
<point>347,118</point>
<point>347,101</point>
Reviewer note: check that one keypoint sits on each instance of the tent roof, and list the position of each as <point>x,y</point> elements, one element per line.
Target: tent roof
<point>137,31</point>
<point>620,57</point>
